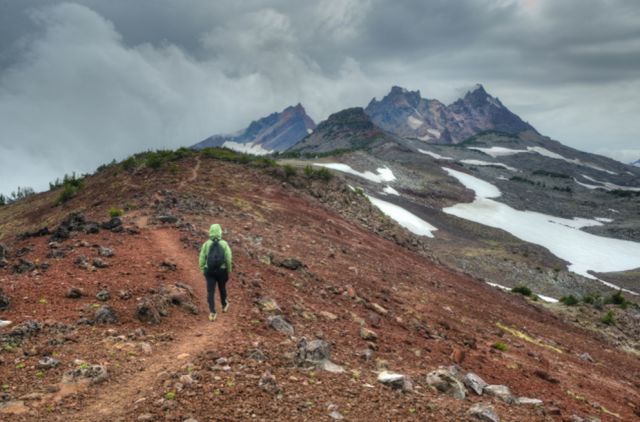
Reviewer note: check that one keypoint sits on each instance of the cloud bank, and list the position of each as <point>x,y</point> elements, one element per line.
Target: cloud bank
<point>84,82</point>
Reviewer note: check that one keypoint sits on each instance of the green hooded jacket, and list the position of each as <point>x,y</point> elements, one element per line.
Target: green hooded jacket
<point>215,232</point>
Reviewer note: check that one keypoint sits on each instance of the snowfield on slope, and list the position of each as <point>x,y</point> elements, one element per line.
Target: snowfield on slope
<point>487,163</point>
<point>563,237</point>
<point>503,152</point>
<point>434,155</point>
<point>383,174</point>
<point>605,185</point>
<point>246,148</point>
<point>410,221</point>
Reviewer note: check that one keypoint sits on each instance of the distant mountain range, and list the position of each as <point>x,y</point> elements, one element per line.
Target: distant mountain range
<point>276,132</point>
<point>407,114</point>
<point>636,163</point>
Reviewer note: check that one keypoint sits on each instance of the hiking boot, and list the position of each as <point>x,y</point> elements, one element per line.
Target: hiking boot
<point>225,308</point>
<point>213,316</point>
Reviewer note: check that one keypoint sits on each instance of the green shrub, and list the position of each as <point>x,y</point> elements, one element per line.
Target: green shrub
<point>171,395</point>
<point>500,346</point>
<point>130,164</point>
<point>608,318</point>
<point>523,290</point>
<point>70,187</point>
<point>154,161</point>
<point>115,212</point>
<point>322,173</point>
<point>591,299</point>
<point>569,300</point>
<point>289,170</point>
<point>617,299</point>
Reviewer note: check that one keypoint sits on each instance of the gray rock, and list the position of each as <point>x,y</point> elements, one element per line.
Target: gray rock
<point>103,295</point>
<point>446,382</point>
<point>4,301</point>
<point>278,323</point>
<point>269,384</point>
<point>75,293</point>
<point>396,381</point>
<point>268,305</point>
<point>114,223</point>
<point>474,383</point>
<point>105,315</point>
<point>48,362</point>
<point>291,264</point>
<point>336,416</point>
<point>257,354</point>
<point>316,353</point>
<point>23,266</point>
<point>99,263</point>
<point>586,357</point>
<point>528,401</point>
<point>500,391</point>
<point>367,334</point>
<point>170,219</point>
<point>107,252</point>
<point>81,261</point>
<point>484,412</point>
<point>146,417</point>
<point>94,373</point>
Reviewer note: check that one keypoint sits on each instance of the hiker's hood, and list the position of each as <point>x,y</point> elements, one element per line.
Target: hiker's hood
<point>215,231</point>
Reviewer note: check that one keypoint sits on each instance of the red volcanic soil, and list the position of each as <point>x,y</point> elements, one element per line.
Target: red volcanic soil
<point>424,316</point>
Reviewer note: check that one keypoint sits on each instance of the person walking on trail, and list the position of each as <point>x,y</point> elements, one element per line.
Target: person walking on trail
<point>216,265</point>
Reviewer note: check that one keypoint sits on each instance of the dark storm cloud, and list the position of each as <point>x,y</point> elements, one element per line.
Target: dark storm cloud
<point>83,82</point>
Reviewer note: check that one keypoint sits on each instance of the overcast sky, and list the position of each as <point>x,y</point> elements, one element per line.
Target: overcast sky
<point>84,82</point>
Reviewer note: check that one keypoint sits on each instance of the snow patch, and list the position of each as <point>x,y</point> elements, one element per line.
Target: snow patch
<point>502,152</point>
<point>250,148</point>
<point>309,131</point>
<point>604,220</point>
<point>562,237</point>
<point>505,288</point>
<point>434,132</point>
<point>425,137</point>
<point>410,221</point>
<point>383,174</point>
<point>391,191</point>
<point>487,163</point>
<point>493,102</point>
<point>414,123</point>
<point>434,155</point>
<point>606,185</point>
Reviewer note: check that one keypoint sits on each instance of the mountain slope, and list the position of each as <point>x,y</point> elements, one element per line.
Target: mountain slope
<point>636,163</point>
<point>346,129</point>
<point>276,132</point>
<point>353,273</point>
<point>407,114</point>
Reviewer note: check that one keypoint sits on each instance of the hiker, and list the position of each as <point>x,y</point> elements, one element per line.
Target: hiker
<point>215,264</point>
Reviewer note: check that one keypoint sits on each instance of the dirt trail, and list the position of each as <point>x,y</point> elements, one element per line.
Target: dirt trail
<point>194,174</point>
<point>116,399</point>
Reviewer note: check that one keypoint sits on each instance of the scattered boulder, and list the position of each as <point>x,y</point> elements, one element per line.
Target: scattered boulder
<point>81,261</point>
<point>484,412</point>
<point>443,380</point>
<point>4,300</point>
<point>4,323</point>
<point>316,353</point>
<point>396,381</point>
<point>74,293</point>
<point>268,305</point>
<point>99,263</point>
<point>147,311</point>
<point>91,227</point>
<point>106,252</point>
<point>278,323</point>
<point>94,373</point>
<point>125,294</point>
<point>169,219</point>
<point>500,391</point>
<point>328,315</point>
<point>256,354</point>
<point>4,253</point>
<point>474,383</point>
<point>367,334</point>
<point>112,224</point>
<point>48,362</point>
<point>105,315</point>
<point>291,264</point>
<point>586,357</point>
<point>180,294</point>
<point>25,330</point>
<point>528,401</point>
<point>378,308</point>
<point>36,233</point>
<point>74,222</point>
<point>269,384</point>
<point>103,295</point>
<point>23,266</point>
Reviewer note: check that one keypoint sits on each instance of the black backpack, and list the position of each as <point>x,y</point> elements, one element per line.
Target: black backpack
<point>215,259</point>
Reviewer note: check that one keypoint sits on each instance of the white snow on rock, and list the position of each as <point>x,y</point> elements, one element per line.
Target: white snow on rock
<point>383,174</point>
<point>605,185</point>
<point>487,163</point>
<point>391,191</point>
<point>414,123</point>
<point>434,155</point>
<point>503,152</point>
<point>604,220</point>
<point>563,237</point>
<point>410,221</point>
<point>434,132</point>
<point>548,299</point>
<point>309,131</point>
<point>246,148</point>
<point>425,137</point>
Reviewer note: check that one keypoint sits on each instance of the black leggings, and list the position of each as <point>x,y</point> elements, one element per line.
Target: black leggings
<point>220,278</point>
